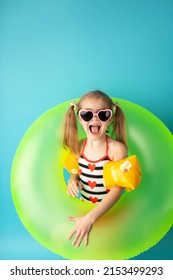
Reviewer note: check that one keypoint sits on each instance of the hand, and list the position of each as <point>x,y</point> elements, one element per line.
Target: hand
<point>73,186</point>
<point>82,230</point>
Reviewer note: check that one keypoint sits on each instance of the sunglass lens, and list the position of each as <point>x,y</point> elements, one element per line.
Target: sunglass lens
<point>104,115</point>
<point>86,115</point>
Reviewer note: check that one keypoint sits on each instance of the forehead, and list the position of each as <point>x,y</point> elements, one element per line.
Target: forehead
<point>94,104</point>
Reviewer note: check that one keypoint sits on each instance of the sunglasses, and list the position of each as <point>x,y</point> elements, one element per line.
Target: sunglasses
<point>88,115</point>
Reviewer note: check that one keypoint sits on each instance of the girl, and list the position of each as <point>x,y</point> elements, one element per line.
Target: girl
<point>95,111</point>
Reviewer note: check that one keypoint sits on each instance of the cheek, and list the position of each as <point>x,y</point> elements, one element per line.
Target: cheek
<point>79,119</point>
<point>105,125</point>
<point>84,124</point>
<point>110,121</point>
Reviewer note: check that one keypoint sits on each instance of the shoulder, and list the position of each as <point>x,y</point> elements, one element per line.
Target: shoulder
<point>117,150</point>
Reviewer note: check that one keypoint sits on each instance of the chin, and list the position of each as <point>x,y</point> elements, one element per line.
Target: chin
<point>95,135</point>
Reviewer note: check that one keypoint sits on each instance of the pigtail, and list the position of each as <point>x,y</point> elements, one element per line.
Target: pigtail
<point>120,125</point>
<point>70,131</point>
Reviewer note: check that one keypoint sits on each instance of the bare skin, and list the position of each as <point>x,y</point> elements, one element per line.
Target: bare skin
<point>95,148</point>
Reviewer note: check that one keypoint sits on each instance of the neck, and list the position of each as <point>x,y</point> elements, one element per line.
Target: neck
<point>96,142</point>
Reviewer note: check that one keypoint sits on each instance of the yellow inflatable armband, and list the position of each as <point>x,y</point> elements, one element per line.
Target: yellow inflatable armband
<point>125,173</point>
<point>71,163</point>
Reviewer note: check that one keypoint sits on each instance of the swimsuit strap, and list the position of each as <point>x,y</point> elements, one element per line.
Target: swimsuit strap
<point>83,147</point>
<point>107,146</point>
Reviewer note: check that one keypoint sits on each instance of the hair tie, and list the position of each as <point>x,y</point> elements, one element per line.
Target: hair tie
<point>115,106</point>
<point>73,104</point>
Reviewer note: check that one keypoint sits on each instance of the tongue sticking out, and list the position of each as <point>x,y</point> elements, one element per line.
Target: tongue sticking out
<point>94,129</point>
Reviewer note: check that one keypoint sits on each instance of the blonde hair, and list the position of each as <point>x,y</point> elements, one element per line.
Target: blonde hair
<point>70,132</point>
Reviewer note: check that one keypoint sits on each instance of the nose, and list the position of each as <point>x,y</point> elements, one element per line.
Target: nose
<point>95,116</point>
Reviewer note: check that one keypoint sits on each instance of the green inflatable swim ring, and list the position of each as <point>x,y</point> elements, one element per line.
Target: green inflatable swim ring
<point>137,222</point>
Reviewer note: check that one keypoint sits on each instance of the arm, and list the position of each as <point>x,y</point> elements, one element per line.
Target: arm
<point>84,224</point>
<point>74,183</point>
<point>107,202</point>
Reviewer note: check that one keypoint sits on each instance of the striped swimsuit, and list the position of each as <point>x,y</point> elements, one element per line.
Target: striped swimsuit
<point>91,176</point>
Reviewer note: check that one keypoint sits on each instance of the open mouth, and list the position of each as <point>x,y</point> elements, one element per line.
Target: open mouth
<point>94,128</point>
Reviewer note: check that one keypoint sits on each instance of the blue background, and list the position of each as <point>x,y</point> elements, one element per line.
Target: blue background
<point>55,50</point>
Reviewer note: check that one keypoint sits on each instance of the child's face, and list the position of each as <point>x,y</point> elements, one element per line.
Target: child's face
<point>95,128</point>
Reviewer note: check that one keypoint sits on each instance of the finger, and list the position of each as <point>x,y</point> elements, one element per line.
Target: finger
<point>72,219</point>
<point>73,189</point>
<point>78,238</point>
<point>86,239</point>
<point>71,193</point>
<point>68,192</point>
<point>80,185</point>
<point>71,234</point>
